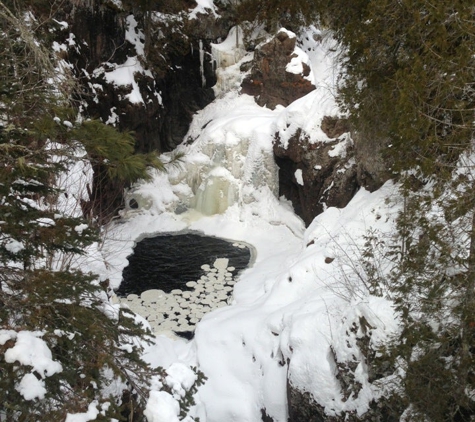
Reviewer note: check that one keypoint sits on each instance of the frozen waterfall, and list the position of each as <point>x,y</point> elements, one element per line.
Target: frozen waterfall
<point>218,171</point>
<point>228,153</point>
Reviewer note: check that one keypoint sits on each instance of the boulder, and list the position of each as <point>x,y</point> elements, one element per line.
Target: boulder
<point>269,81</point>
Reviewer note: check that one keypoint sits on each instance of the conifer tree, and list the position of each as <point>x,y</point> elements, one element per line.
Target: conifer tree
<point>289,14</point>
<point>409,76</point>
<point>409,82</point>
<point>82,346</point>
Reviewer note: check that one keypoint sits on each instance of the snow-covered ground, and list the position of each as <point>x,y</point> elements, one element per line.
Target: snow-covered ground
<point>294,309</point>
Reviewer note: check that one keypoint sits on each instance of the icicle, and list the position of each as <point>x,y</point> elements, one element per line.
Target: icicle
<point>202,69</point>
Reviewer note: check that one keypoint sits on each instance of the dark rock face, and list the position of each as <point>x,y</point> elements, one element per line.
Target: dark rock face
<point>329,180</point>
<point>302,406</point>
<point>158,124</point>
<point>183,95</point>
<point>372,168</point>
<point>269,82</point>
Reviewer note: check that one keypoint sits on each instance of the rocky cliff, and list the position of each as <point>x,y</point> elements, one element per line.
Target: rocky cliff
<point>312,175</point>
<point>171,81</point>
<point>152,82</point>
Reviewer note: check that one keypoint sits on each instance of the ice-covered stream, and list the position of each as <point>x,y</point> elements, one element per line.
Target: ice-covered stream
<point>180,310</point>
<point>174,280</point>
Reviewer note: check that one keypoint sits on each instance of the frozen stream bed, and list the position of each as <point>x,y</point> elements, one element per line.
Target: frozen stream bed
<point>174,280</point>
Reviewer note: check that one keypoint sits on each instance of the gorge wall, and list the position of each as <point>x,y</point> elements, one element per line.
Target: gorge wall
<point>312,175</point>
<point>172,80</point>
<point>152,81</point>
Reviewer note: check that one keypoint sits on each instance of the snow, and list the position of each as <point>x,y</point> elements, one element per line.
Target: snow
<point>299,177</point>
<point>31,387</point>
<point>62,24</point>
<point>45,222</point>
<point>123,75</point>
<point>134,35</point>
<point>298,59</point>
<point>31,350</point>
<point>80,228</point>
<point>162,407</point>
<point>6,335</point>
<point>180,378</point>
<point>13,246</point>
<point>90,415</point>
<point>293,310</point>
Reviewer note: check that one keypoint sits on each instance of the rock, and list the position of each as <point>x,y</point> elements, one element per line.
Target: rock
<point>302,406</point>
<point>371,168</point>
<point>328,171</point>
<point>269,81</point>
<point>176,72</point>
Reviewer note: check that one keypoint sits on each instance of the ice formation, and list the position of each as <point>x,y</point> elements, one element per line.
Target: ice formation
<point>231,50</point>
<point>227,57</point>
<point>180,310</point>
<point>228,163</point>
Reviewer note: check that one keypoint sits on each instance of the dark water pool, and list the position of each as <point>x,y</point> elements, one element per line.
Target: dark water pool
<point>168,261</point>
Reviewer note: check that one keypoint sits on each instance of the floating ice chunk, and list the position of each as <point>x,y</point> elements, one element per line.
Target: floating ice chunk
<point>221,263</point>
<point>152,295</point>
